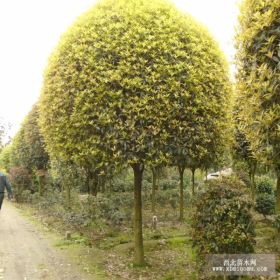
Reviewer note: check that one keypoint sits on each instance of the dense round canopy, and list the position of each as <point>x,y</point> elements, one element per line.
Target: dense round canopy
<point>127,77</point>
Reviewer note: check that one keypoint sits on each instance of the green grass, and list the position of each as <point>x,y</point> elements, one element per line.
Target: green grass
<point>178,242</point>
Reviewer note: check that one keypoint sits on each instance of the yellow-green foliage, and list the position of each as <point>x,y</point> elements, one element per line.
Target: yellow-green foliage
<point>5,158</point>
<point>130,77</point>
<point>36,156</point>
<point>258,61</point>
<point>134,82</point>
<point>27,148</point>
<point>258,80</point>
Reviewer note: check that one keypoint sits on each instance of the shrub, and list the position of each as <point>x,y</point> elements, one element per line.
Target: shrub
<point>26,196</point>
<point>146,185</point>
<point>171,198</point>
<point>277,222</point>
<point>120,186</point>
<point>118,217</point>
<point>244,177</point>
<point>35,197</point>
<point>20,180</point>
<point>222,219</point>
<point>265,204</point>
<point>264,184</point>
<point>110,209</point>
<point>169,184</point>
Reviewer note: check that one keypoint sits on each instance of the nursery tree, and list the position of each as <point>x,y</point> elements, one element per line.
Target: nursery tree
<point>123,81</point>
<point>19,155</point>
<point>28,146</point>
<point>258,77</point>
<point>36,153</point>
<point>26,151</point>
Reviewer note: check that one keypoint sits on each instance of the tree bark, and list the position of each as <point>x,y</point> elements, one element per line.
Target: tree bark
<point>181,173</point>
<point>88,179</point>
<point>92,181</point>
<point>41,184</point>
<point>88,184</point>
<point>138,235</point>
<point>68,196</point>
<point>94,187</point>
<point>193,182</point>
<point>154,185</point>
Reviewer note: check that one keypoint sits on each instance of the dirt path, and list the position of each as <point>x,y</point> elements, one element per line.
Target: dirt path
<point>26,255</point>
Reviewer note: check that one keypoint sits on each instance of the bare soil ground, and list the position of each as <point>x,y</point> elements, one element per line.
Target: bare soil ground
<point>26,255</point>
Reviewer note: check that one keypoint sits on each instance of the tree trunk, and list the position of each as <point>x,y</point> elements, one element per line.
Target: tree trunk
<point>88,180</point>
<point>154,185</point>
<point>41,184</point>
<point>138,235</point>
<point>94,187</point>
<point>181,173</point>
<point>193,177</point>
<point>88,184</point>
<point>103,184</point>
<point>278,192</point>
<point>68,196</point>
<point>252,173</point>
<point>92,181</point>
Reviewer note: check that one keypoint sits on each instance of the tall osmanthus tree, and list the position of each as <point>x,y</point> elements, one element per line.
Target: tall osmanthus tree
<point>258,80</point>
<point>117,84</point>
<point>38,157</point>
<point>27,148</point>
<point>28,144</point>
<point>19,153</point>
